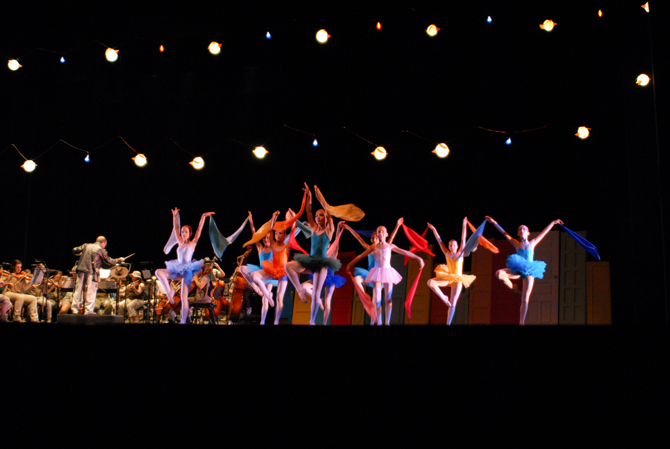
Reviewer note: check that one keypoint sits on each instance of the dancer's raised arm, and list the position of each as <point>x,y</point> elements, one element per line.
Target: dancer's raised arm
<point>401,220</point>
<point>509,238</point>
<point>539,238</point>
<point>196,237</point>
<point>443,247</point>
<point>356,236</point>
<point>330,226</point>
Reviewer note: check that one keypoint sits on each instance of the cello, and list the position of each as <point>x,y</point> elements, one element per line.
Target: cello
<point>236,287</point>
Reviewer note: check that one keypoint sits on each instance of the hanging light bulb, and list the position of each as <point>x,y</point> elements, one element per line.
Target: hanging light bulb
<point>582,132</point>
<point>87,158</point>
<point>62,59</point>
<point>29,165</point>
<point>508,141</point>
<point>489,19</point>
<point>315,143</point>
<point>442,150</point>
<point>600,13</point>
<point>642,80</point>
<point>548,25</point>
<point>260,152</point>
<point>14,65</point>
<point>379,26</point>
<point>161,48</point>
<point>197,163</point>
<point>268,35</point>
<point>379,153</point>
<point>646,6</point>
<point>322,36</point>
<point>432,30</point>
<point>214,48</point>
<point>111,54</point>
<point>140,160</point>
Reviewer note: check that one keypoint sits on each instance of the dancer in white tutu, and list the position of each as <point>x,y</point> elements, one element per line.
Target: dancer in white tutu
<point>383,274</point>
<point>183,268</point>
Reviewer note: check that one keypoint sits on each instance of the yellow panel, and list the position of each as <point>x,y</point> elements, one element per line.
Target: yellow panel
<point>301,310</point>
<point>598,293</point>
<point>421,301</point>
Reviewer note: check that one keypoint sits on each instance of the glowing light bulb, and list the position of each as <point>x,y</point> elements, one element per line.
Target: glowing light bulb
<point>214,48</point>
<point>442,150</point>
<point>161,48</point>
<point>13,65</point>
<point>260,152</point>
<point>62,59</point>
<point>140,160</point>
<point>642,80</point>
<point>197,163</point>
<point>111,54</point>
<point>508,141</point>
<point>87,158</point>
<point>268,35</point>
<point>489,19</point>
<point>600,13</point>
<point>646,6</point>
<point>379,25</point>
<point>29,165</point>
<point>322,36</point>
<point>582,132</point>
<point>548,25</point>
<point>432,30</point>
<point>379,153</point>
<point>315,143</point>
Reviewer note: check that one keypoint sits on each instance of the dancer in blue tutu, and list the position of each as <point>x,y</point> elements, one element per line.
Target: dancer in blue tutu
<point>521,264</point>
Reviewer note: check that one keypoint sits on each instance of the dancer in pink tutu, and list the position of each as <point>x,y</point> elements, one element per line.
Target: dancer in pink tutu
<point>383,274</point>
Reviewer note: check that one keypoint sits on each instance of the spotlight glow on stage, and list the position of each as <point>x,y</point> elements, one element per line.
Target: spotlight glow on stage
<point>508,141</point>
<point>548,25</point>
<point>582,132</point>
<point>322,36</point>
<point>442,150</point>
<point>642,80</point>
<point>197,163</point>
<point>379,153</point>
<point>214,48</point>
<point>260,152</point>
<point>29,165</point>
<point>13,65</point>
<point>140,160</point>
<point>432,30</point>
<point>111,55</point>
<point>315,143</point>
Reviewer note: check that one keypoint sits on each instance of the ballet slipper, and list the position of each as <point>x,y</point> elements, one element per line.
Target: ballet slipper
<point>301,294</point>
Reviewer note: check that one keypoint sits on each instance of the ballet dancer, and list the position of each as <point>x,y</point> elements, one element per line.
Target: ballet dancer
<point>451,273</point>
<point>383,274</point>
<point>521,264</point>
<point>184,267</point>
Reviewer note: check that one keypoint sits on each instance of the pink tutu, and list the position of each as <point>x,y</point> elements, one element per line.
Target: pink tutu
<point>387,275</point>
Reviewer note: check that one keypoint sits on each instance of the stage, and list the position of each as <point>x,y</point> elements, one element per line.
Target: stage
<point>344,384</point>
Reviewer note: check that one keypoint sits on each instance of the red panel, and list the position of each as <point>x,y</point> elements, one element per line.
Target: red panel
<point>439,312</point>
<point>343,297</point>
<point>505,303</point>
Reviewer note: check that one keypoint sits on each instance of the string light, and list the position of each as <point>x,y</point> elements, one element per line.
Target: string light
<point>161,48</point>
<point>260,152</point>
<point>315,143</point>
<point>379,26</point>
<point>432,30</point>
<point>489,19</point>
<point>111,54</point>
<point>548,25</point>
<point>442,150</point>
<point>379,153</point>
<point>62,59</point>
<point>268,35</point>
<point>582,132</point>
<point>197,163</point>
<point>600,13</point>
<point>322,36</point>
<point>642,80</point>
<point>140,160</point>
<point>87,158</point>
<point>645,6</point>
<point>14,65</point>
<point>214,48</point>
<point>29,165</point>
<point>508,141</point>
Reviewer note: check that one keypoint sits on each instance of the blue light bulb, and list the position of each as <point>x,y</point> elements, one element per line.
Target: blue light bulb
<point>508,141</point>
<point>62,59</point>
<point>489,19</point>
<point>87,158</point>
<point>267,35</point>
<point>315,143</point>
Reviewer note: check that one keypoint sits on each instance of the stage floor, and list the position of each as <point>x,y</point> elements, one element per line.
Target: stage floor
<point>298,384</point>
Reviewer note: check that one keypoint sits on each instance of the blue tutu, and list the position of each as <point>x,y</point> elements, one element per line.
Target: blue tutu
<point>522,263</point>
<point>270,281</point>
<point>362,272</point>
<point>332,279</point>
<point>192,267</point>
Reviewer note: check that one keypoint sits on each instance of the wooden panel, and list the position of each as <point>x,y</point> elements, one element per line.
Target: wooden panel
<point>421,301</point>
<point>543,305</point>
<point>399,291</point>
<point>504,302</point>
<point>572,291</point>
<point>342,304</point>
<point>599,305</point>
<point>301,310</point>
<point>479,307</point>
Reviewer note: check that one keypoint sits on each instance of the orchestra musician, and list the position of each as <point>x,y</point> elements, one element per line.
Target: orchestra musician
<point>5,302</point>
<point>17,285</point>
<point>91,257</point>
<point>133,292</point>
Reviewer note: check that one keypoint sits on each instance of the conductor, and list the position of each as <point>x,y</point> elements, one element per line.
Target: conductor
<point>91,257</point>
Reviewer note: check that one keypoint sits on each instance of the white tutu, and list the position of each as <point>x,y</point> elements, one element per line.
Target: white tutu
<point>387,275</point>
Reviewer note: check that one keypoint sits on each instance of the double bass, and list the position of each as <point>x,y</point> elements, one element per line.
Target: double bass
<point>236,287</point>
